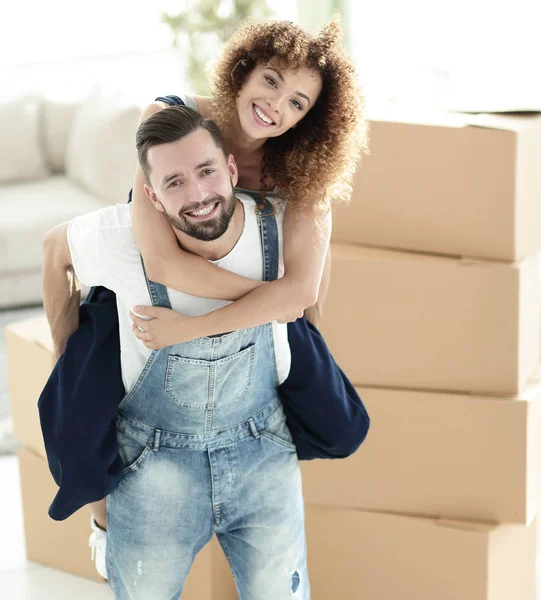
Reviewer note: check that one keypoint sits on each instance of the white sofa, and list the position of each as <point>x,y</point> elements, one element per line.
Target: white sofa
<point>57,161</point>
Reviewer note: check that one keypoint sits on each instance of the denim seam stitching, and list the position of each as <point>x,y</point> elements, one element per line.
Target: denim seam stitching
<point>273,438</point>
<point>139,381</point>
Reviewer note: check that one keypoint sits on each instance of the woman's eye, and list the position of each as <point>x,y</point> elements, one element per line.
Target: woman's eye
<point>296,104</point>
<point>270,80</point>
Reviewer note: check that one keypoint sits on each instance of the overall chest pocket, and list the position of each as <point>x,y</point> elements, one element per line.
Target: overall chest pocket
<point>205,384</point>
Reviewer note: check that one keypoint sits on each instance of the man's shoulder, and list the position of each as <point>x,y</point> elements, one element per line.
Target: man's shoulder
<point>110,224</point>
<point>116,216</point>
<point>250,208</point>
<point>250,202</point>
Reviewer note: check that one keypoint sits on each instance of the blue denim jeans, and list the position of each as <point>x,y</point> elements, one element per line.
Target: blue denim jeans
<point>178,489</point>
<point>207,450</point>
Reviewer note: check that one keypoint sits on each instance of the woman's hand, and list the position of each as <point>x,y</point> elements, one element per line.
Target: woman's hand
<point>166,327</point>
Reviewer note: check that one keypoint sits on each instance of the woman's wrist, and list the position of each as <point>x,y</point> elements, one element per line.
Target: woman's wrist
<point>198,327</point>
<point>191,328</point>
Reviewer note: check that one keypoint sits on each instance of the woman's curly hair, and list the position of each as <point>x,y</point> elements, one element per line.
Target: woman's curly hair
<point>314,162</point>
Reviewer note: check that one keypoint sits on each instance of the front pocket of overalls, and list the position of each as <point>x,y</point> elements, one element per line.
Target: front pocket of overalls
<point>132,452</point>
<point>202,384</point>
<point>278,433</point>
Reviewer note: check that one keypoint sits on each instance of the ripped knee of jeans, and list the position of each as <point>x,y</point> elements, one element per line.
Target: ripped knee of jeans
<point>295,581</point>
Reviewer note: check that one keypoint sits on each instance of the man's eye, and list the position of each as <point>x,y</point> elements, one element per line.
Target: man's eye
<point>174,183</point>
<point>208,172</point>
<point>270,80</point>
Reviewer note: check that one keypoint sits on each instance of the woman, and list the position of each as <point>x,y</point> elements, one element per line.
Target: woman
<point>292,115</point>
<point>304,145</point>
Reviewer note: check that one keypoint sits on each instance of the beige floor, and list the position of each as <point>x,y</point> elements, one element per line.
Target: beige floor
<point>23,580</point>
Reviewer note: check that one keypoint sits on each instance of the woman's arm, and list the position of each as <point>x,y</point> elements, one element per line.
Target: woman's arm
<point>305,251</point>
<point>165,261</point>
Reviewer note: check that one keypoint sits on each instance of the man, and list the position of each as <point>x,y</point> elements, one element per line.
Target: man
<point>201,431</point>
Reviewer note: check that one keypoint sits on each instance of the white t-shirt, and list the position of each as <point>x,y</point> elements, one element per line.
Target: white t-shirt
<point>104,252</point>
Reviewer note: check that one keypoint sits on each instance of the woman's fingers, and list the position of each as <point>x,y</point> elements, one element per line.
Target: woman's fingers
<point>147,338</point>
<point>142,335</point>
<point>137,320</point>
<point>147,312</point>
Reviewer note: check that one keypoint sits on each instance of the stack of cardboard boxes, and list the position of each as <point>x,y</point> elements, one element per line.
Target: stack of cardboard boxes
<point>434,313</point>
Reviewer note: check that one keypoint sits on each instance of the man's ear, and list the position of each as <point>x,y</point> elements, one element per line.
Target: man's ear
<point>233,170</point>
<point>153,198</point>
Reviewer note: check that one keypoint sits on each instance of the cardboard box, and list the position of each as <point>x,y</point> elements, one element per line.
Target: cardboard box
<point>396,319</point>
<point>440,455</point>
<point>355,555</point>
<point>30,359</point>
<point>59,544</point>
<point>64,544</point>
<point>464,185</point>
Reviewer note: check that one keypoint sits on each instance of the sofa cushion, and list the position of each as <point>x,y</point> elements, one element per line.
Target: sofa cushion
<point>101,154</point>
<point>57,121</point>
<point>29,210</point>
<point>21,153</point>
<point>20,288</point>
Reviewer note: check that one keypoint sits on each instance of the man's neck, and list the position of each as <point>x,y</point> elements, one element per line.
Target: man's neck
<point>217,248</point>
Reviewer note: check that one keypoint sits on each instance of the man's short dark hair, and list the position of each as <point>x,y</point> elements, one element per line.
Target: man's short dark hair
<point>170,125</point>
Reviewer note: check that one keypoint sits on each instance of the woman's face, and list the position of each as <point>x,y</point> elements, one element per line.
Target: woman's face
<point>274,99</point>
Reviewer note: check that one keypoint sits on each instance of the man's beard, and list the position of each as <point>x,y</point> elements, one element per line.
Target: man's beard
<point>210,229</point>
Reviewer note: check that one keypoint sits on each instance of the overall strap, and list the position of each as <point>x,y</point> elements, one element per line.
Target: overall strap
<point>171,100</point>
<point>157,291</point>
<point>186,99</point>
<point>269,238</point>
<point>268,229</point>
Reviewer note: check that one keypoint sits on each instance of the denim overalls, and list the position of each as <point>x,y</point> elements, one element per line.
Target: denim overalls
<point>206,450</point>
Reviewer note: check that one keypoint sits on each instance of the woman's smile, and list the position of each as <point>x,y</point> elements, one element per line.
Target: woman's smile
<point>261,117</point>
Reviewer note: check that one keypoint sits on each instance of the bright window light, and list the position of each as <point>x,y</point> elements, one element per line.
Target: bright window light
<point>439,53</point>
<point>65,49</point>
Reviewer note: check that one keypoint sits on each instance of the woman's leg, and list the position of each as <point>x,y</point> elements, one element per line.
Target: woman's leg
<point>98,538</point>
<point>99,512</point>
